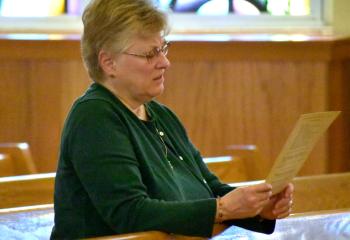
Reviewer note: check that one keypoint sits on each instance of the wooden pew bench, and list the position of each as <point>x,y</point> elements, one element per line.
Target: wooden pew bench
<point>6,165</point>
<point>35,189</point>
<point>255,166</point>
<point>312,193</point>
<point>317,192</point>
<point>26,190</point>
<point>322,192</point>
<point>20,157</point>
<point>227,168</point>
<point>242,163</point>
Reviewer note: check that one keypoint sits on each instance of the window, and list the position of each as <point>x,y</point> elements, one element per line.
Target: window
<point>41,8</point>
<point>184,15</point>
<point>37,8</point>
<point>242,15</point>
<point>240,7</point>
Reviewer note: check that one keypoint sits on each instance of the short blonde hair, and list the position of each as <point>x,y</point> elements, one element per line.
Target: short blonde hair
<point>110,24</point>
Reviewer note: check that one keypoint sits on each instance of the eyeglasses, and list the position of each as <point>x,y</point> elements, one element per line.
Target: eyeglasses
<point>153,53</point>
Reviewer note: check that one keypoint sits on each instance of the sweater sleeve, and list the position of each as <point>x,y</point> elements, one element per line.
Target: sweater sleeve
<point>105,162</point>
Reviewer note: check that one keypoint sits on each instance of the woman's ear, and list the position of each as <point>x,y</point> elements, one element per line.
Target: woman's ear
<point>107,63</point>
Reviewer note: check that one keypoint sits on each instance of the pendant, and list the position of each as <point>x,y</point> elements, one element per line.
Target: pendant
<point>171,165</point>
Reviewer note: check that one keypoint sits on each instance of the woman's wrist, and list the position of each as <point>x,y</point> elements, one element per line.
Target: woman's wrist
<point>219,217</point>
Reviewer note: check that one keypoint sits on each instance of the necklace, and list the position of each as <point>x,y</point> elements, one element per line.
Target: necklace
<point>140,111</point>
<point>161,135</point>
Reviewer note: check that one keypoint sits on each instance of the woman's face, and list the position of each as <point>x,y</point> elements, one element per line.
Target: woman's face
<point>139,79</point>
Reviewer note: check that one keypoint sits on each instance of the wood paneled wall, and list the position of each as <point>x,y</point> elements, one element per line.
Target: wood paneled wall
<point>39,82</point>
<point>225,92</point>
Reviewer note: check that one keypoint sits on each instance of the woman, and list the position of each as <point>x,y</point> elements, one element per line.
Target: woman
<point>126,163</point>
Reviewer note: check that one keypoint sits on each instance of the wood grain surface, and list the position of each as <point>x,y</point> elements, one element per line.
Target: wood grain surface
<point>225,92</point>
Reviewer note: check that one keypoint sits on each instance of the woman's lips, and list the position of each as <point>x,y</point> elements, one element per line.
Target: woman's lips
<point>158,78</point>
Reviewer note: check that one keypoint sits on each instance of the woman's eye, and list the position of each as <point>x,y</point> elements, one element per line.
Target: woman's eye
<point>151,54</point>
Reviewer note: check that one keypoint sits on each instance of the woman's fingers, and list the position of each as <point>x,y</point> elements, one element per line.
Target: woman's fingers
<point>284,202</point>
<point>261,191</point>
<point>289,190</point>
<point>283,207</point>
<point>246,201</point>
<point>262,187</point>
<point>258,195</point>
<point>284,212</point>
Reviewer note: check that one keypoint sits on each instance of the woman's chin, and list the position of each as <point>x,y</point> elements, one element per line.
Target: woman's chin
<point>157,91</point>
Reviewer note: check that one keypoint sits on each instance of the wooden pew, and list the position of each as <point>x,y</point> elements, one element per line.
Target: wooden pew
<point>242,163</point>
<point>312,193</point>
<point>317,192</point>
<point>21,156</point>
<point>227,168</point>
<point>26,190</point>
<point>254,165</point>
<point>321,192</point>
<point>34,189</point>
<point>6,165</point>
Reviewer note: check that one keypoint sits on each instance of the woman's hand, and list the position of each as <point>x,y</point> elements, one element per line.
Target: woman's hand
<point>279,205</point>
<point>244,202</point>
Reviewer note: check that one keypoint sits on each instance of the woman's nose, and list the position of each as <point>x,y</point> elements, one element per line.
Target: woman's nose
<point>163,61</point>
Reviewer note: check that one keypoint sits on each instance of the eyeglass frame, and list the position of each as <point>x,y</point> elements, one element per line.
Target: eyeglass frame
<point>153,53</point>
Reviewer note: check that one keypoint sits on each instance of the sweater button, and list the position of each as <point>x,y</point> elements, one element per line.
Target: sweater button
<point>181,158</point>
